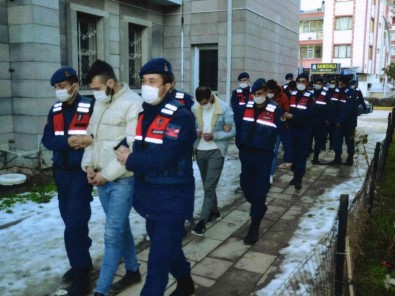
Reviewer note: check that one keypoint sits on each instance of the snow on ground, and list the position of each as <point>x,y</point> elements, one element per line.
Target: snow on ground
<point>33,257</point>
<point>319,220</point>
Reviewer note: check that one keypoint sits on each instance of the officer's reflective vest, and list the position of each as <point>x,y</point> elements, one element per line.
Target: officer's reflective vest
<point>157,128</point>
<point>180,97</point>
<point>240,97</point>
<point>335,96</point>
<point>321,99</point>
<point>264,118</point>
<point>302,104</point>
<point>78,124</point>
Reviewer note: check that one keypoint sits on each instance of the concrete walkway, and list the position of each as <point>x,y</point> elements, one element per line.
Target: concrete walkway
<point>221,264</point>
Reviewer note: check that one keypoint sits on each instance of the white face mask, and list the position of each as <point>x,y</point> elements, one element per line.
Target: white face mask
<point>206,106</point>
<point>332,86</point>
<point>300,86</point>
<point>150,95</point>
<point>270,96</point>
<point>259,100</point>
<point>63,94</point>
<point>101,96</point>
<point>352,86</point>
<point>243,85</point>
<point>317,86</point>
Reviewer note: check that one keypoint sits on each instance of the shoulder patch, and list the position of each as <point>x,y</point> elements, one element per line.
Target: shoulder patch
<point>172,131</point>
<point>239,90</point>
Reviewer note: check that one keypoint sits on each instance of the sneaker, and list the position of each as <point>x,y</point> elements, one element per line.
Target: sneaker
<point>130,278</point>
<point>185,287</point>
<point>199,228</point>
<point>214,216</point>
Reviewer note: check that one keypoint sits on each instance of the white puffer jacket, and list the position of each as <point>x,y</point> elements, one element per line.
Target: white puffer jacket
<point>110,123</point>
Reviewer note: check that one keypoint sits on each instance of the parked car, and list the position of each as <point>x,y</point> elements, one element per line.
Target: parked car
<point>369,108</point>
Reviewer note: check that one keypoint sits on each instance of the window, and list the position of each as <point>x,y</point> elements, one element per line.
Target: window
<point>135,55</point>
<point>87,45</point>
<point>310,26</point>
<point>372,25</point>
<point>311,52</point>
<point>344,23</point>
<point>342,51</point>
<point>370,52</point>
<point>205,66</point>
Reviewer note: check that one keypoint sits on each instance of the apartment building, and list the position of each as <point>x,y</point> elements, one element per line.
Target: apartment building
<point>352,33</point>
<point>207,41</point>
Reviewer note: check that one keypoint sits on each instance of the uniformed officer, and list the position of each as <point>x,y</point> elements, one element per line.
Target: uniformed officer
<point>65,134</point>
<point>321,118</point>
<point>288,78</point>
<point>182,97</point>
<point>241,95</point>
<point>258,127</point>
<point>346,119</point>
<point>164,190</point>
<point>333,98</point>
<point>300,119</point>
<point>358,95</point>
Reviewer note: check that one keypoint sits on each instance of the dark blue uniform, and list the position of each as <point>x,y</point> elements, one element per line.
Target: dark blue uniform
<point>302,109</point>
<point>240,98</point>
<point>257,132</point>
<point>183,98</point>
<point>164,187</point>
<point>320,121</point>
<point>333,109</point>
<point>74,192</point>
<point>346,121</point>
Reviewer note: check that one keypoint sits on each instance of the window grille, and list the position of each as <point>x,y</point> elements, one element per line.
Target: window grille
<point>135,55</point>
<point>87,45</point>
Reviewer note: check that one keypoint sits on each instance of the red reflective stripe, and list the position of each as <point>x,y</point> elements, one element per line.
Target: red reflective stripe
<point>58,123</point>
<point>156,130</point>
<point>78,124</point>
<point>181,101</point>
<point>240,98</point>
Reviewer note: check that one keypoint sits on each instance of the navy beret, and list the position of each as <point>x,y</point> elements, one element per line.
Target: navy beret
<point>344,78</point>
<point>302,75</point>
<point>258,84</point>
<point>156,66</point>
<point>319,79</point>
<point>332,78</point>
<point>353,82</point>
<point>243,75</point>
<point>63,74</point>
<point>289,76</point>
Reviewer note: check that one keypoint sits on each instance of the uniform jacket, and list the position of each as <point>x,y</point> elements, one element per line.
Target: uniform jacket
<point>183,98</point>
<point>347,115</point>
<point>321,106</point>
<point>163,170</point>
<point>240,98</point>
<point>301,107</point>
<point>110,123</point>
<point>333,108</point>
<point>222,115</point>
<point>64,156</point>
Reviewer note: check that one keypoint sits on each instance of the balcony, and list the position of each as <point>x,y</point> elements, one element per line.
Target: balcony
<point>166,2</point>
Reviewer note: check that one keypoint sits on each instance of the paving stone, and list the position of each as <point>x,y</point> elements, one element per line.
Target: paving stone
<point>237,217</point>
<point>202,281</point>
<point>211,268</point>
<point>244,207</point>
<point>281,236</point>
<point>268,246</point>
<point>270,272</point>
<point>274,212</point>
<point>255,262</point>
<point>200,247</point>
<point>232,249</point>
<point>222,230</point>
<point>235,282</point>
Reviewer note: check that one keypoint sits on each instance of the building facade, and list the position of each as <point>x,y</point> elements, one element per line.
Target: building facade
<point>355,34</point>
<point>207,41</point>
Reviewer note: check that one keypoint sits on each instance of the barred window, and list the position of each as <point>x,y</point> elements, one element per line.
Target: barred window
<point>87,45</point>
<point>135,55</point>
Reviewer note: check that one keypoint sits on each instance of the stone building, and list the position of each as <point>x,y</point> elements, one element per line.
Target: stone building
<point>207,41</point>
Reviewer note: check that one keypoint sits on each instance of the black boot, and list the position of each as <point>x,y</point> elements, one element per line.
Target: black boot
<point>350,160</point>
<point>337,160</point>
<point>81,283</point>
<point>185,286</point>
<point>315,159</point>
<point>130,278</point>
<point>252,235</point>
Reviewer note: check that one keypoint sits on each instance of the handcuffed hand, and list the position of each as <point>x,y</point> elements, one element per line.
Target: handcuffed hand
<point>122,154</point>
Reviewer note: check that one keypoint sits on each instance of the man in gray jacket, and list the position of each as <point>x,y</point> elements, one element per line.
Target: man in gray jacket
<point>215,127</point>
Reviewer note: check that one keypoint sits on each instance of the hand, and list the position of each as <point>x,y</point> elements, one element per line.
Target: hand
<point>122,154</point>
<point>208,137</point>
<point>199,133</point>
<point>80,142</point>
<point>227,128</point>
<point>73,141</point>
<point>90,174</point>
<point>286,165</point>
<point>99,180</point>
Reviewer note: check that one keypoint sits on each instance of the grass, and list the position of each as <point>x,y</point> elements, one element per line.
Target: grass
<point>379,241</point>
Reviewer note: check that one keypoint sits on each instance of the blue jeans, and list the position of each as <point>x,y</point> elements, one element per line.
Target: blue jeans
<point>116,198</point>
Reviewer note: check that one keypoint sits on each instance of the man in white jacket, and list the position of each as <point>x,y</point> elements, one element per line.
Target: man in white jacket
<point>114,118</point>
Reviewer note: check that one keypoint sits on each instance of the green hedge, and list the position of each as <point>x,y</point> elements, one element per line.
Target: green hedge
<point>385,102</point>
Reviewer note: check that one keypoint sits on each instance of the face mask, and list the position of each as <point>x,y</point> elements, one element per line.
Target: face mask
<point>332,86</point>
<point>101,96</point>
<point>300,86</point>
<point>259,100</point>
<point>270,96</point>
<point>243,85</point>
<point>150,95</point>
<point>206,106</point>
<point>352,86</point>
<point>63,94</point>
<point>317,86</point>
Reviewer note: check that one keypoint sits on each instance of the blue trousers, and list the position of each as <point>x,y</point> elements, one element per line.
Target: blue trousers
<point>320,132</point>
<point>301,145</point>
<point>116,198</point>
<point>348,135</point>
<point>255,180</point>
<point>166,255</point>
<point>75,196</point>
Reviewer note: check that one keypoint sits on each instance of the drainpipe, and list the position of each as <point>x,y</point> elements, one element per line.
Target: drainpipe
<point>229,52</point>
<point>182,45</point>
